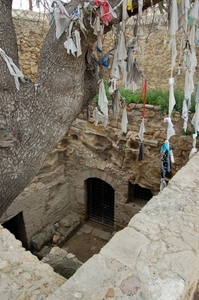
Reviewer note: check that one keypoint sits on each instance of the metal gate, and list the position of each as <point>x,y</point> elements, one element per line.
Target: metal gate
<point>100,201</point>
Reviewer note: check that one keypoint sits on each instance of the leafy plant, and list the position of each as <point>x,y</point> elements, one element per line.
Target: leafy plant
<point>154,97</point>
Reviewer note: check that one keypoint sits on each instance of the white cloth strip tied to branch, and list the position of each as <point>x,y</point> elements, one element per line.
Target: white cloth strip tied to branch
<point>194,149</point>
<point>185,112</point>
<point>174,18</point>
<point>194,10</point>
<point>97,116</point>
<point>62,18</point>
<point>140,7</point>
<point>172,101</point>
<point>13,69</point>
<point>173,51</point>
<point>173,30</point>
<point>124,120</point>
<point>69,44</point>
<point>170,129</point>
<point>78,42</point>
<point>142,131</point>
<point>195,123</point>
<point>102,100</point>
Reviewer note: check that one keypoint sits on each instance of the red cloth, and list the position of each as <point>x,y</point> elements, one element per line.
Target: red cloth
<point>105,10</point>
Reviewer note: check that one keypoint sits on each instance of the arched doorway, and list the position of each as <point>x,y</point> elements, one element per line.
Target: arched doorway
<point>100,201</point>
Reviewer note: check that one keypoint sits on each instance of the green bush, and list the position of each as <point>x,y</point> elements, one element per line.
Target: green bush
<point>154,97</point>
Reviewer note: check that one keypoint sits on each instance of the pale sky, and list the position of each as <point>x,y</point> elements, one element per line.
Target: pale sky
<point>24,4</point>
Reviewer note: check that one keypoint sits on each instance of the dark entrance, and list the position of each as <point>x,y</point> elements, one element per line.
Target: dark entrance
<point>100,201</point>
<point>16,226</point>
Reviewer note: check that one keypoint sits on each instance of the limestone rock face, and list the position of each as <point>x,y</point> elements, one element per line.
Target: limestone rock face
<point>112,155</point>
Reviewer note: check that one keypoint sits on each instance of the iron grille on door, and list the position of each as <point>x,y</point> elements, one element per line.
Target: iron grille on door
<point>100,201</point>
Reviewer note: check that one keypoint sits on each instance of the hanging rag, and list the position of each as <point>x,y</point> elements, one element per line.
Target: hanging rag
<point>172,101</point>
<point>61,17</point>
<point>69,44</point>
<point>165,147</point>
<point>78,42</point>
<point>189,84</point>
<point>95,116</point>
<point>112,85</point>
<point>166,165</point>
<point>183,8</point>
<point>98,116</point>
<point>170,129</point>
<point>116,102</point>
<point>105,10</point>
<point>194,149</point>
<point>192,36</point>
<point>142,131</point>
<point>162,184</point>
<point>100,37</point>
<point>174,18</point>
<point>141,137</point>
<point>80,12</point>
<point>134,72</point>
<point>88,8</point>
<point>115,73</point>
<point>185,113</point>
<point>194,10</point>
<point>122,53</point>
<point>104,60</point>
<point>140,6</point>
<point>97,28</point>
<point>102,100</point>
<point>195,119</point>
<point>173,51</point>
<point>141,152</point>
<point>124,120</point>
<point>13,69</point>
<point>129,6</point>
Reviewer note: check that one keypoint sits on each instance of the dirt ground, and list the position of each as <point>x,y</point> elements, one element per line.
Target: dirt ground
<point>85,245</point>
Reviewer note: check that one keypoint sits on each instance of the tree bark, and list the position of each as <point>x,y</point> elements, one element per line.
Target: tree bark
<point>35,118</point>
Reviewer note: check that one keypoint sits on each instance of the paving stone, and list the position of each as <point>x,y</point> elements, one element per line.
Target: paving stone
<point>86,228</point>
<point>105,235</point>
<point>96,232</point>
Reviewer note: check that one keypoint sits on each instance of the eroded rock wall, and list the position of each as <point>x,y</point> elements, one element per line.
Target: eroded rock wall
<point>111,155</point>
<point>45,201</point>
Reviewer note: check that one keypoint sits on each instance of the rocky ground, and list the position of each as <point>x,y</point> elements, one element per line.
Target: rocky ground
<point>88,240</point>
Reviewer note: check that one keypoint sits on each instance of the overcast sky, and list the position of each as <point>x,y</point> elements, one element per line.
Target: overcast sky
<point>24,4</point>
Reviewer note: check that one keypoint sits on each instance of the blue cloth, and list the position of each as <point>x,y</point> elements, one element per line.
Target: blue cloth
<point>75,15</point>
<point>104,60</point>
<point>165,147</point>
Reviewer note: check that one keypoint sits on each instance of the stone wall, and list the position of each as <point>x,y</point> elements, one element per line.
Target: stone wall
<point>31,29</point>
<point>155,257</point>
<point>87,152</point>
<point>45,201</point>
<point>23,276</point>
<point>111,155</point>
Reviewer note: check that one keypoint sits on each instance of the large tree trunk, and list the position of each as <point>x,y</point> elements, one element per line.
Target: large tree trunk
<point>35,118</point>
